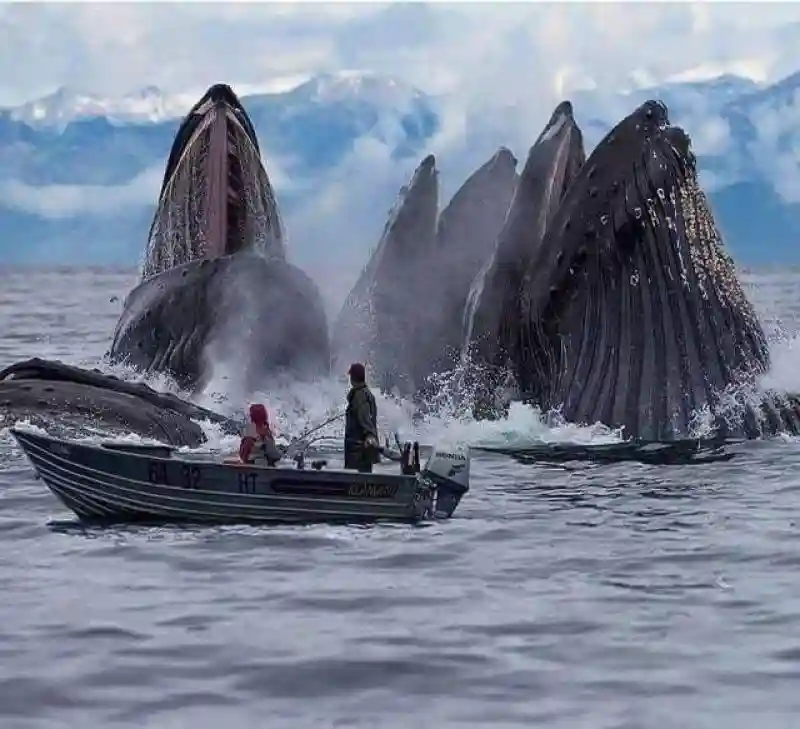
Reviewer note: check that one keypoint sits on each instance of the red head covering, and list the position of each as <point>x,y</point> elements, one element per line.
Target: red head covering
<point>357,372</point>
<point>258,414</point>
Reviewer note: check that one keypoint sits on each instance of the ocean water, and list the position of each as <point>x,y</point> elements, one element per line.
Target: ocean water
<point>597,597</point>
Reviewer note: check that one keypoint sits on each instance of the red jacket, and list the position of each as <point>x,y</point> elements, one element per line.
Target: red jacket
<point>253,435</point>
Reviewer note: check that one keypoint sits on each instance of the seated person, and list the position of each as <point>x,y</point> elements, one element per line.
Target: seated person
<point>258,444</point>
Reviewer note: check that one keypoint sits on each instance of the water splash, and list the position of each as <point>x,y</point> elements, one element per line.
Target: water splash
<point>784,374</point>
<point>446,417</point>
<point>297,406</point>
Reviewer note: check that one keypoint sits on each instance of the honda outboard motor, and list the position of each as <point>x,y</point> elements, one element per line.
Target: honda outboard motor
<point>448,469</point>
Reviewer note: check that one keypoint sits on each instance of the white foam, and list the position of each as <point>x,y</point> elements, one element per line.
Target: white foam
<point>784,374</point>
<point>295,407</point>
<point>298,406</point>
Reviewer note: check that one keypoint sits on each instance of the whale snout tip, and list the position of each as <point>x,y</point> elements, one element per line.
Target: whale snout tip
<point>222,94</point>
<point>655,112</point>
<point>220,89</point>
<point>428,164</point>
<point>565,109</point>
<point>505,155</point>
<point>426,171</point>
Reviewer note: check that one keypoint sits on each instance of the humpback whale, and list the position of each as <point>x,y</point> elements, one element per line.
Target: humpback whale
<point>216,283</point>
<point>377,323</point>
<point>496,299</point>
<point>465,238</point>
<point>216,286</point>
<point>630,310</point>
<point>88,397</point>
<point>601,285</point>
<point>403,316</point>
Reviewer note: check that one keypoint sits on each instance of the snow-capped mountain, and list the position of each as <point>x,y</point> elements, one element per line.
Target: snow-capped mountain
<point>66,105</point>
<point>381,91</point>
<point>152,105</point>
<point>79,173</point>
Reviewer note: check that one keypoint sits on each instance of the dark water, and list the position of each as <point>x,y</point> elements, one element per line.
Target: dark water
<point>596,597</point>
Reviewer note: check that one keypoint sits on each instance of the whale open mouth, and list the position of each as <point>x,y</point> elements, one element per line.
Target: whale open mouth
<point>216,198</point>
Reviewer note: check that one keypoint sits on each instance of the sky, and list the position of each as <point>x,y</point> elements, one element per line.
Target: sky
<point>498,52</point>
<point>510,62</point>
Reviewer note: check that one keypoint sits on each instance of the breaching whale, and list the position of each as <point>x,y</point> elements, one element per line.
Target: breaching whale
<point>403,316</point>
<point>496,299</point>
<point>216,285</point>
<point>630,310</point>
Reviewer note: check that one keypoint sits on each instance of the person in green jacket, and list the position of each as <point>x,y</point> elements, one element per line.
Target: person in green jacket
<point>361,423</point>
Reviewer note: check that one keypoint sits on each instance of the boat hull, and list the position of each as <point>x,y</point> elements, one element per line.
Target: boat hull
<point>109,485</point>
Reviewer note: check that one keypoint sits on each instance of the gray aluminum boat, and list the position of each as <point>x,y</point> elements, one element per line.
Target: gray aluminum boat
<point>119,482</point>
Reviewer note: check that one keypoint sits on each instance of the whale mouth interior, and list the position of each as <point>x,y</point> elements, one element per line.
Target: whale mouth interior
<point>216,198</point>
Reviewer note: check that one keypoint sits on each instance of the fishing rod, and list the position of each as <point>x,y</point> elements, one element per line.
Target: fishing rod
<point>402,456</point>
<point>302,438</point>
<point>385,451</point>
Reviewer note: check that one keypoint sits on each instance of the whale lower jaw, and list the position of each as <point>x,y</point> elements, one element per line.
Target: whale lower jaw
<point>264,317</point>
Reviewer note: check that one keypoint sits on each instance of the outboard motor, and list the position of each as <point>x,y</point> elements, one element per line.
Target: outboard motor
<point>448,469</point>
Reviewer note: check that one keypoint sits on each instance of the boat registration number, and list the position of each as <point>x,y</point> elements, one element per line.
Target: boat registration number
<point>188,477</point>
<point>247,482</point>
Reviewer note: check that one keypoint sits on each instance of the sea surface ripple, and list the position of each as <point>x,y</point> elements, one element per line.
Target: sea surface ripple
<point>602,597</point>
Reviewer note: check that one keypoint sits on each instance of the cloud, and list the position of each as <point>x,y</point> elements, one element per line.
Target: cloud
<point>330,251</point>
<point>711,136</point>
<point>506,65</point>
<point>521,58</point>
<point>511,61</point>
<point>775,148</point>
<point>111,48</point>
<point>508,51</point>
<point>57,202</point>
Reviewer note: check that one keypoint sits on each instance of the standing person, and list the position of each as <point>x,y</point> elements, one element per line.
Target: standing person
<point>258,444</point>
<point>361,423</point>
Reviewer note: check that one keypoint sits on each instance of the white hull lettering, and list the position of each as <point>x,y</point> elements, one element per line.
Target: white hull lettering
<point>451,456</point>
<point>372,490</point>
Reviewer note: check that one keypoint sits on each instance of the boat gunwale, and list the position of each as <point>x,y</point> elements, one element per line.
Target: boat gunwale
<point>304,474</point>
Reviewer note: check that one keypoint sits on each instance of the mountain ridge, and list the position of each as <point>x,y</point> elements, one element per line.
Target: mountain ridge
<point>79,173</point>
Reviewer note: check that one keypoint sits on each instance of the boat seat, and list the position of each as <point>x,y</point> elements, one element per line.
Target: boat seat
<point>318,465</point>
